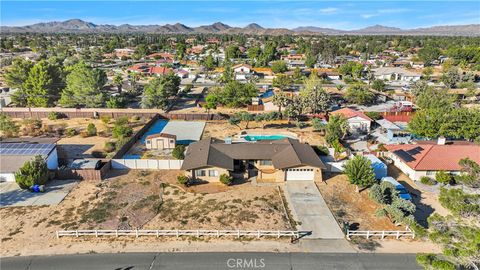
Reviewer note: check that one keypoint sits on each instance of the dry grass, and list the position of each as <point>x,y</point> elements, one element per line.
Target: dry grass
<point>348,205</point>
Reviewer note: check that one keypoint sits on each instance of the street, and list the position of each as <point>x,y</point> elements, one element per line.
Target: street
<point>208,261</point>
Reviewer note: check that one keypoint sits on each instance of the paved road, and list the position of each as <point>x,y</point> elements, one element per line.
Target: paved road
<point>211,261</point>
<point>309,207</point>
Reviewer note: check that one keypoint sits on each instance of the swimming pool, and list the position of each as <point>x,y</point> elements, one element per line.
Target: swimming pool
<point>252,138</point>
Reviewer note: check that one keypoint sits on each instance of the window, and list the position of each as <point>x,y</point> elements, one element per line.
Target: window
<point>212,173</point>
<point>266,162</point>
<point>172,141</point>
<point>200,173</point>
<point>431,173</point>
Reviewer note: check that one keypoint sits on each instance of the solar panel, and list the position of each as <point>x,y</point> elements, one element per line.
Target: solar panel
<point>404,155</point>
<point>23,149</point>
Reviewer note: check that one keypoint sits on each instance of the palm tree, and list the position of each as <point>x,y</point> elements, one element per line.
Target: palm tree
<point>118,81</point>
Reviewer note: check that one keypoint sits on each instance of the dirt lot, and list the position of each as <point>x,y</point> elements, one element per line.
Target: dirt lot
<point>221,129</point>
<point>348,205</point>
<point>83,147</point>
<point>134,200</point>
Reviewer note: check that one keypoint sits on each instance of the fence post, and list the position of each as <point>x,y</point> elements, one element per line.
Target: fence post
<point>116,233</point>
<point>56,232</point>
<point>76,233</point>
<point>158,234</point>
<point>368,234</point>
<point>383,234</point>
<point>398,234</point>
<point>96,233</point>
<point>198,233</point>
<point>218,233</point>
<point>177,233</point>
<point>238,233</point>
<point>258,234</point>
<point>348,234</point>
<point>278,232</point>
<point>136,233</point>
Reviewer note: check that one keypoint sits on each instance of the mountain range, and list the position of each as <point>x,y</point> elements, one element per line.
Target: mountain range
<point>80,26</point>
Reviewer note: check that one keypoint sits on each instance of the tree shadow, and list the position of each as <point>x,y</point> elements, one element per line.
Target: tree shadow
<point>422,211</point>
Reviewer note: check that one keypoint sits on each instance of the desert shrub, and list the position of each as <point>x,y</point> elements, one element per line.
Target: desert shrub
<point>105,119</point>
<point>382,193</point>
<point>34,172</point>
<point>109,147</point>
<point>400,211</point>
<point>55,115</point>
<point>178,152</point>
<point>321,150</point>
<point>121,128</point>
<point>459,202</point>
<point>91,130</point>
<point>32,127</point>
<point>183,180</point>
<point>121,142</point>
<point>443,265</point>
<point>226,179</point>
<point>425,259</point>
<point>135,118</point>
<point>70,132</point>
<point>8,127</point>
<point>427,181</point>
<point>443,177</point>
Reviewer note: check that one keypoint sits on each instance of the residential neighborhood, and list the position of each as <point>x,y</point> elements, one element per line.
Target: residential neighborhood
<point>122,140</point>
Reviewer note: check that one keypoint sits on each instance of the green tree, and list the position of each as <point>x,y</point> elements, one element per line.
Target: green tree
<point>84,87</point>
<point>34,172</point>
<point>245,117</point>
<point>279,66</point>
<point>118,82</point>
<point>282,81</point>
<point>359,94</point>
<point>379,85</point>
<point>451,77</point>
<point>8,127</point>
<point>38,86</point>
<point>235,94</point>
<point>316,99</point>
<point>91,129</point>
<point>158,92</point>
<point>443,177</point>
<point>419,87</point>
<point>226,179</point>
<point>232,52</point>
<point>280,100</point>
<point>209,62</point>
<point>360,172</point>
<point>17,73</point>
<point>337,128</point>
<point>470,175</point>
<point>179,151</point>
<point>351,68</point>
<point>428,54</point>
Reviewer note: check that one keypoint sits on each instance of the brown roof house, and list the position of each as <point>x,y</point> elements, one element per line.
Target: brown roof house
<point>160,141</point>
<point>269,161</point>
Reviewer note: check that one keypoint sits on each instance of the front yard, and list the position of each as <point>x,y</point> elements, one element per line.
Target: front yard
<point>136,200</point>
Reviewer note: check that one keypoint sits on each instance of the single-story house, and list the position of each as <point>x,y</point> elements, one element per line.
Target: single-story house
<point>426,158</point>
<point>160,141</point>
<point>396,74</point>
<point>14,154</point>
<point>358,122</point>
<point>243,71</point>
<point>270,160</point>
<point>393,133</point>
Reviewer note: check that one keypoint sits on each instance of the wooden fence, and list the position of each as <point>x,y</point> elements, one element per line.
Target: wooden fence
<point>38,113</point>
<point>255,108</point>
<point>87,174</point>
<point>381,234</point>
<point>178,233</point>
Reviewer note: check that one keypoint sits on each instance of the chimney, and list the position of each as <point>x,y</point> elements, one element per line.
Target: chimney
<point>441,140</point>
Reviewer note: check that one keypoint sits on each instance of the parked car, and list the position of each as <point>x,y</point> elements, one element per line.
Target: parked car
<point>402,191</point>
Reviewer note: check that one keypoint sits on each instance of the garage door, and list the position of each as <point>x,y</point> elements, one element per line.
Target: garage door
<point>300,174</point>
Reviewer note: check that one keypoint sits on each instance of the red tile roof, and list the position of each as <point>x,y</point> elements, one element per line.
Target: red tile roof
<point>350,113</point>
<point>160,70</point>
<point>434,157</point>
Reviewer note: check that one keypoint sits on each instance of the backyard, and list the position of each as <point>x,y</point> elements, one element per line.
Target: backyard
<point>137,199</point>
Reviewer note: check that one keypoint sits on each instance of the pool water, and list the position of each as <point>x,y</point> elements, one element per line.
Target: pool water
<point>253,138</point>
<point>156,128</point>
<point>267,94</point>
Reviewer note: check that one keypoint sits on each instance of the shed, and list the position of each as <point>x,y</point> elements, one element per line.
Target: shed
<point>378,166</point>
<point>161,141</point>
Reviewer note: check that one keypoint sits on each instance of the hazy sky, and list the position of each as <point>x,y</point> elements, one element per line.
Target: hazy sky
<point>345,15</point>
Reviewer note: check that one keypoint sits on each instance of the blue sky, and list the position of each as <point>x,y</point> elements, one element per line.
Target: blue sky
<point>345,15</point>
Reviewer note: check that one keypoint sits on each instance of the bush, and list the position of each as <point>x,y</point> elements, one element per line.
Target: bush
<point>178,152</point>
<point>32,127</point>
<point>374,115</point>
<point>427,181</point>
<point>109,147</point>
<point>226,179</point>
<point>121,142</point>
<point>91,130</point>
<point>8,127</point>
<point>121,130</point>
<point>34,172</point>
<point>183,180</point>
<point>383,193</point>
<point>425,259</point>
<point>359,171</point>
<point>443,265</point>
<point>444,177</point>
<point>70,132</point>
<point>56,115</point>
<point>318,124</point>
<point>321,150</point>
<point>105,119</point>
<point>98,154</point>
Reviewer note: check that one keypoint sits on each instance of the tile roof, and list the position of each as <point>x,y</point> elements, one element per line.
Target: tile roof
<point>426,156</point>
<point>350,113</point>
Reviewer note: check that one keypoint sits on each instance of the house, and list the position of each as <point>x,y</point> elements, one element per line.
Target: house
<point>126,52</point>
<point>160,141</point>
<point>393,133</point>
<point>269,161</point>
<point>396,74</point>
<point>358,122</point>
<point>13,154</point>
<point>426,158</point>
<point>243,71</point>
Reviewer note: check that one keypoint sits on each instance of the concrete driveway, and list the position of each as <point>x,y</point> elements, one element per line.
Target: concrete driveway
<point>56,191</point>
<point>309,208</point>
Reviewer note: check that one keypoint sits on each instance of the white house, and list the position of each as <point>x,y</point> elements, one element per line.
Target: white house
<point>426,158</point>
<point>358,122</point>
<point>242,71</point>
<point>14,154</point>
<point>160,141</point>
<point>396,74</point>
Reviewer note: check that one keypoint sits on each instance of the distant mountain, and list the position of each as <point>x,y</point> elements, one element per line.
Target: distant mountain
<point>79,26</point>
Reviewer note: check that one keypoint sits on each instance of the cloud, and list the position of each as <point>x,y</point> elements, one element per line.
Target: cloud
<point>368,16</point>
<point>392,10</point>
<point>329,10</point>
